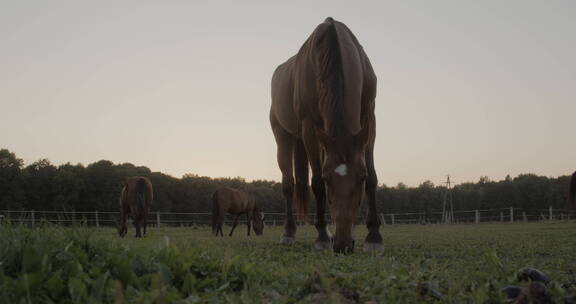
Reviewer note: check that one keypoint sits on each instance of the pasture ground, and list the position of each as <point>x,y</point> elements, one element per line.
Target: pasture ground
<point>465,263</point>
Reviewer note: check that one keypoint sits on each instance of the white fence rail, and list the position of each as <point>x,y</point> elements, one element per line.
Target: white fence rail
<point>100,218</point>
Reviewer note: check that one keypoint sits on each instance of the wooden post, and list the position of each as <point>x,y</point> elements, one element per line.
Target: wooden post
<point>158,219</point>
<point>96,218</point>
<point>392,218</point>
<point>524,217</point>
<point>477,217</point>
<point>511,215</point>
<point>32,217</point>
<point>550,213</point>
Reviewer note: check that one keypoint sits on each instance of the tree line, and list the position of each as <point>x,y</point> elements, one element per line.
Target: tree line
<point>44,186</point>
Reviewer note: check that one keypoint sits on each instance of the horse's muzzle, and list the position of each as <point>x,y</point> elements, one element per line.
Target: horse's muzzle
<point>344,247</point>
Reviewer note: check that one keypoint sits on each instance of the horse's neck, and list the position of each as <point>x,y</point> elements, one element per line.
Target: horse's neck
<point>347,112</point>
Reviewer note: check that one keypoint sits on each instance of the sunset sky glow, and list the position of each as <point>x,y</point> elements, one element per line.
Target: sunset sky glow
<point>467,88</point>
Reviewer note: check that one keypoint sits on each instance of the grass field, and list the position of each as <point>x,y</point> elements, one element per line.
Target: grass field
<point>464,263</point>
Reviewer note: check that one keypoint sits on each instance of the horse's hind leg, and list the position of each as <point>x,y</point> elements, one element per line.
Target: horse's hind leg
<point>137,226</point>
<point>234,225</point>
<point>219,226</point>
<point>285,144</point>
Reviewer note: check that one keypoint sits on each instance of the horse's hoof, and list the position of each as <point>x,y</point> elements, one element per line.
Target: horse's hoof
<point>322,245</point>
<point>287,240</point>
<point>373,247</point>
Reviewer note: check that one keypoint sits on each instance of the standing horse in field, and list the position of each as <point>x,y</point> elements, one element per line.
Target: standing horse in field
<point>237,202</point>
<point>572,194</point>
<point>135,200</point>
<point>322,115</point>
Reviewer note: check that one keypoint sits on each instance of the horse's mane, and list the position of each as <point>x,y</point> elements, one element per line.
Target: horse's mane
<point>329,75</point>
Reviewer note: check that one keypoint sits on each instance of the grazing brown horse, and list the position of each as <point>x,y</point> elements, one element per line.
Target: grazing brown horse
<point>135,200</point>
<point>322,115</point>
<point>572,194</point>
<point>237,202</point>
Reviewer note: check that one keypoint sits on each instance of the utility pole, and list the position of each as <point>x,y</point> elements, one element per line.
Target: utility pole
<point>447,206</point>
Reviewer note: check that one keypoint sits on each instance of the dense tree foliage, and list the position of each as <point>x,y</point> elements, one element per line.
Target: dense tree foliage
<point>44,186</point>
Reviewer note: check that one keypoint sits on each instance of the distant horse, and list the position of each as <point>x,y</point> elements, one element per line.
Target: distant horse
<point>135,200</point>
<point>322,115</point>
<point>237,202</point>
<point>572,194</point>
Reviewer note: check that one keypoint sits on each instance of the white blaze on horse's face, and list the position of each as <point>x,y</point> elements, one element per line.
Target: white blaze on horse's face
<point>341,170</point>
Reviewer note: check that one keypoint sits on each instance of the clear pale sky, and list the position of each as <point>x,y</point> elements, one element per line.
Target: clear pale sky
<point>469,88</point>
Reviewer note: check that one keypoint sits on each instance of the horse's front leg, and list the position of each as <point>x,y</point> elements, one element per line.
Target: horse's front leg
<point>373,240</point>
<point>249,222</point>
<point>234,224</point>
<point>219,230</point>
<point>324,239</point>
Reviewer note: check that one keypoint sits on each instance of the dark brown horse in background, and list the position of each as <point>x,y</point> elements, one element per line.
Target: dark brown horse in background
<point>322,115</point>
<point>237,202</point>
<point>135,200</point>
<point>572,194</point>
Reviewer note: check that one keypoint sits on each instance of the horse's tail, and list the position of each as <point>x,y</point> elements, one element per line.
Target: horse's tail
<point>215,211</point>
<point>301,187</point>
<point>572,194</point>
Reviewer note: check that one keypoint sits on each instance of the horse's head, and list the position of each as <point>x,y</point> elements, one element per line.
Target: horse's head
<point>258,222</point>
<point>344,174</point>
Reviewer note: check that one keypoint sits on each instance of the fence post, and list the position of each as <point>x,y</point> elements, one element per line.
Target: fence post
<point>524,217</point>
<point>32,217</point>
<point>158,219</point>
<point>477,217</point>
<point>501,216</point>
<point>96,218</point>
<point>392,218</point>
<point>511,215</point>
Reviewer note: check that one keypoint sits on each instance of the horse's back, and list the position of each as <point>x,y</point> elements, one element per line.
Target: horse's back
<point>294,83</point>
<point>233,200</point>
<point>136,187</point>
